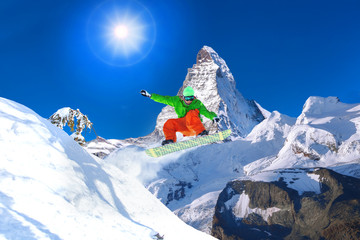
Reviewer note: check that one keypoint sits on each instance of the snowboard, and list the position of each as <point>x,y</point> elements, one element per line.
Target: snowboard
<point>178,146</point>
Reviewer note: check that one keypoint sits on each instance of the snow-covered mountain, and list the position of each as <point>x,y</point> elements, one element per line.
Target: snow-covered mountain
<point>316,172</point>
<point>308,189</point>
<point>326,134</point>
<point>51,188</point>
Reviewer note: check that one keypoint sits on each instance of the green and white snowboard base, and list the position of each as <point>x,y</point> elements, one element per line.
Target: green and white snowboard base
<point>178,146</point>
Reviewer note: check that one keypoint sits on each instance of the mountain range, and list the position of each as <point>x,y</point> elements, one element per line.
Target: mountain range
<point>265,147</point>
<point>277,177</point>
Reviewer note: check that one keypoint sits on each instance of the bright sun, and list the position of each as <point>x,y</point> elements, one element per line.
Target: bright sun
<point>121,31</point>
<point>125,34</point>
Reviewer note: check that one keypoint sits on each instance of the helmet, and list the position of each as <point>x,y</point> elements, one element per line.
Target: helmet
<point>188,91</point>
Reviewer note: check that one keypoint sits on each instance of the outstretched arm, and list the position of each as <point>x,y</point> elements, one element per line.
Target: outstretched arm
<point>165,99</point>
<point>159,98</point>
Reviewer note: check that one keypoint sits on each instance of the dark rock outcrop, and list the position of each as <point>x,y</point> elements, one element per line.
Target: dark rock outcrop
<point>334,213</point>
<point>203,56</point>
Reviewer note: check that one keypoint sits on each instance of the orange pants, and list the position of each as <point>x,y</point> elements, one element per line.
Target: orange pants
<point>189,125</point>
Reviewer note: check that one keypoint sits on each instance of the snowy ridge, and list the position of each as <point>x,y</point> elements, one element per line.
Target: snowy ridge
<point>101,147</point>
<point>326,134</point>
<point>51,188</point>
<point>301,180</point>
<point>275,126</point>
<point>263,111</point>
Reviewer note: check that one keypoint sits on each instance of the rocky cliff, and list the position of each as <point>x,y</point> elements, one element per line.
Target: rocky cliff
<point>271,210</point>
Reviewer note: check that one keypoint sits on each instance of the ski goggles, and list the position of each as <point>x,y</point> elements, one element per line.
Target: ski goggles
<point>189,98</point>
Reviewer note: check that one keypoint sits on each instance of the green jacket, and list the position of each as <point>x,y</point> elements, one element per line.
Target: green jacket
<point>181,108</point>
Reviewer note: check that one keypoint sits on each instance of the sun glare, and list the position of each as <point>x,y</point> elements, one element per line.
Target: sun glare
<point>127,37</point>
<point>121,31</point>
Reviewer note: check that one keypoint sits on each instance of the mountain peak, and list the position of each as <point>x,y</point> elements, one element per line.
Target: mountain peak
<point>204,55</point>
<point>208,55</point>
<point>320,104</point>
<point>317,106</point>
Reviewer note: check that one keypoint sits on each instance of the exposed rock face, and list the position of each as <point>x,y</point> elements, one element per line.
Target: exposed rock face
<point>271,210</point>
<point>203,56</point>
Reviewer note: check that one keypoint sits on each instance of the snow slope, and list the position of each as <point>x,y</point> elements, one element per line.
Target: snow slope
<point>51,188</point>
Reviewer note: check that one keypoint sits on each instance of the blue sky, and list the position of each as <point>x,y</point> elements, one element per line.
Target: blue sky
<point>280,53</point>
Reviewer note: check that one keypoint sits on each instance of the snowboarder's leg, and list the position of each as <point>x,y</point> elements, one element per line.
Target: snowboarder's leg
<point>170,130</point>
<point>189,125</point>
<point>193,122</point>
<point>172,126</point>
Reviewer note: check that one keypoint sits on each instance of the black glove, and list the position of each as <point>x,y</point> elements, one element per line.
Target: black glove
<point>145,93</point>
<point>216,119</point>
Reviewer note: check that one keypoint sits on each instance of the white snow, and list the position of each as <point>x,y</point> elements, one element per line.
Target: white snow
<point>301,180</point>
<point>275,126</point>
<point>239,204</point>
<point>51,188</point>
<point>200,212</point>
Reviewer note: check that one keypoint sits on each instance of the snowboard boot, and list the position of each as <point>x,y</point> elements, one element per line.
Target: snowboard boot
<point>203,133</point>
<point>167,142</point>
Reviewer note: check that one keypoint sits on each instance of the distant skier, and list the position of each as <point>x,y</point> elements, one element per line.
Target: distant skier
<point>188,109</point>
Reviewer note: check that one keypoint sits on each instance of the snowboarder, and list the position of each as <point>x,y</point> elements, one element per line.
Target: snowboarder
<point>188,109</point>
